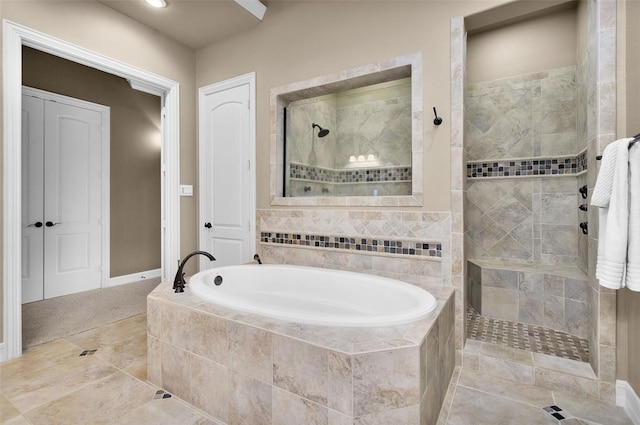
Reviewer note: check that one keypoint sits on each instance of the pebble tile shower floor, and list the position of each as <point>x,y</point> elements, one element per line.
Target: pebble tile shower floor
<point>527,337</point>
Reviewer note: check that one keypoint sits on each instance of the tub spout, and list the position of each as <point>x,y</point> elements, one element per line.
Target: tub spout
<point>178,281</point>
<point>257,258</point>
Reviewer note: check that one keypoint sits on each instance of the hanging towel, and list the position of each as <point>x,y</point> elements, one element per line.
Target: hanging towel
<point>633,251</point>
<point>611,195</point>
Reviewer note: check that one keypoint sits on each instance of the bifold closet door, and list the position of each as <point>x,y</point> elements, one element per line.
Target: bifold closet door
<point>70,213</point>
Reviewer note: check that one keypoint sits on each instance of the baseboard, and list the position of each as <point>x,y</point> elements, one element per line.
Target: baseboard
<point>627,398</point>
<point>134,277</point>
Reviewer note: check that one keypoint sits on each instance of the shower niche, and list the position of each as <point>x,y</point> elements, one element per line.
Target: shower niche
<point>351,138</point>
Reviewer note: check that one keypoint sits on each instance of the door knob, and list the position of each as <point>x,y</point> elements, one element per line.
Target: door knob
<point>208,225</point>
<point>36,224</point>
<point>51,224</point>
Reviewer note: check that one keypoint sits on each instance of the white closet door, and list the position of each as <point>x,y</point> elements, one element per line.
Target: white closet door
<point>72,194</point>
<point>32,199</point>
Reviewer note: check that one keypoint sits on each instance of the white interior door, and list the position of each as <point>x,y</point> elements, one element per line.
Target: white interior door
<point>63,191</point>
<point>32,199</point>
<point>72,207</point>
<point>226,186</point>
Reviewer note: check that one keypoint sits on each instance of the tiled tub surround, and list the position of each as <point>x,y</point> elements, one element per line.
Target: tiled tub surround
<point>387,246</point>
<point>242,368</point>
<point>429,268</point>
<point>555,297</point>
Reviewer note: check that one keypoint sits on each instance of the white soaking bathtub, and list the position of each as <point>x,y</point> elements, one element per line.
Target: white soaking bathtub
<point>314,295</point>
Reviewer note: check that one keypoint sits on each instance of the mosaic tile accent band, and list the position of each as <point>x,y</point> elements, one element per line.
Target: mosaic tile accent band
<point>527,167</point>
<point>526,337</point>
<point>360,175</point>
<point>388,246</point>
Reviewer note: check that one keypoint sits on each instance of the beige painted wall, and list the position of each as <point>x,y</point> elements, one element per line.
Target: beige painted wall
<point>628,301</point>
<point>302,40</point>
<point>538,44</point>
<point>135,153</point>
<point>98,28</point>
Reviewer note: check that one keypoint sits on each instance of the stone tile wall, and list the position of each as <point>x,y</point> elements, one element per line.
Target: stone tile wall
<point>376,128</point>
<point>525,220</point>
<point>405,227</point>
<point>556,298</point>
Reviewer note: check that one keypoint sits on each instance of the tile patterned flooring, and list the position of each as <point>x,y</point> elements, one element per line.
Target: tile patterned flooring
<point>66,382</point>
<point>527,337</point>
<point>481,399</point>
<point>54,383</point>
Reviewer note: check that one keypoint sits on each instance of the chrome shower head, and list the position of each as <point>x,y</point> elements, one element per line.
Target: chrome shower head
<point>323,131</point>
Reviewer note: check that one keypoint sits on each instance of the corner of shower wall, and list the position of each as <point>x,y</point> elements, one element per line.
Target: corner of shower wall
<point>458,180</point>
<point>601,130</point>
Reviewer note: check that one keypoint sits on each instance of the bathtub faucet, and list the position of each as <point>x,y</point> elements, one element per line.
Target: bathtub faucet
<point>257,258</point>
<point>178,281</point>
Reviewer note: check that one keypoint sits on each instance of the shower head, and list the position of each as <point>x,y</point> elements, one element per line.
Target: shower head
<point>323,131</point>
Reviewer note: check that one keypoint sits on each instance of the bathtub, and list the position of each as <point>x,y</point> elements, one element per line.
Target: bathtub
<point>313,295</point>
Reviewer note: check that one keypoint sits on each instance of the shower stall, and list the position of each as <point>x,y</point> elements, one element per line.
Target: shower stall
<point>529,161</point>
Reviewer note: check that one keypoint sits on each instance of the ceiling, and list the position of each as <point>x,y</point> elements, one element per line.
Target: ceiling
<point>193,23</point>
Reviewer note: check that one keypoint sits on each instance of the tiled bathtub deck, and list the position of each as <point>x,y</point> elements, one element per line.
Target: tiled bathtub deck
<point>263,371</point>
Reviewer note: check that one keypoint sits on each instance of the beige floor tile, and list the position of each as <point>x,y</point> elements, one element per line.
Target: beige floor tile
<point>39,358</point>
<point>101,402</point>
<point>591,410</point>
<point>34,389</point>
<point>528,394</point>
<point>18,420</point>
<point>168,411</point>
<point>479,408</point>
<point>7,411</point>
<point>112,333</point>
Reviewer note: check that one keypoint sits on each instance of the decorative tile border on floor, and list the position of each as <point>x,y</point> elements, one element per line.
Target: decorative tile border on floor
<point>527,337</point>
<point>387,246</point>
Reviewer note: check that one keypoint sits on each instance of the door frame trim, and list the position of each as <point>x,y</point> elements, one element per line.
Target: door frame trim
<point>250,79</point>
<point>105,150</point>
<point>14,37</point>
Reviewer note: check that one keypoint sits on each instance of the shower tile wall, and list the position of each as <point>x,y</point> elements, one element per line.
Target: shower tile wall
<point>527,220</point>
<point>362,123</point>
<point>527,116</point>
<point>379,127</point>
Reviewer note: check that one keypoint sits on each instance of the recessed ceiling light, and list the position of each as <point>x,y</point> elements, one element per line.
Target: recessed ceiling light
<point>156,3</point>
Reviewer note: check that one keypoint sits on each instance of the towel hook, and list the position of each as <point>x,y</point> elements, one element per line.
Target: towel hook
<point>437,120</point>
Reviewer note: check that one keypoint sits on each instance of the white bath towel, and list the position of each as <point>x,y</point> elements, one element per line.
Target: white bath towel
<point>611,194</point>
<point>633,250</point>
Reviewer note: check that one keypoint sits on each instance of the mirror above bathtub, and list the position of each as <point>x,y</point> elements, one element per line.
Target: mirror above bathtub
<point>353,138</point>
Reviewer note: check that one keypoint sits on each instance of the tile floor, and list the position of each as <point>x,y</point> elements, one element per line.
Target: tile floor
<point>476,398</point>
<point>67,382</point>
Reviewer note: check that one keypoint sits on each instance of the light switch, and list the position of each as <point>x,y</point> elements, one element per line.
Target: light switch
<point>186,190</point>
